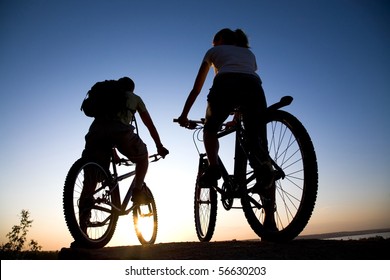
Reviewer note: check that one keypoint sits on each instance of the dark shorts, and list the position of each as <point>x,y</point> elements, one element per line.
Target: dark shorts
<point>104,135</point>
<point>231,91</point>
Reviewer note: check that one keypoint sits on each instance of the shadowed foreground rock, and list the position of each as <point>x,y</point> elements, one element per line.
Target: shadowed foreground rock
<point>310,249</point>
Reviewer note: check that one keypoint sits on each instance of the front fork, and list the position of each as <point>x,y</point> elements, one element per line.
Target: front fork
<point>202,165</point>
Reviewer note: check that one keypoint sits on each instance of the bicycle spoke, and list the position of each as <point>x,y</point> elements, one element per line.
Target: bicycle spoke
<point>294,197</point>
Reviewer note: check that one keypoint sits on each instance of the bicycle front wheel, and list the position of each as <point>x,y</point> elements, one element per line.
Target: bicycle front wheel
<point>205,207</point>
<point>282,212</point>
<point>87,204</point>
<point>145,220</point>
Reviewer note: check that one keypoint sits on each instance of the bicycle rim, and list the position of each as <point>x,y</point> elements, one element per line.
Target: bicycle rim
<point>288,206</point>
<point>205,212</point>
<point>146,221</point>
<point>87,205</point>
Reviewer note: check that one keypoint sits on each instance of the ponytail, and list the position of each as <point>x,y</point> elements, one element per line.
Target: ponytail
<point>241,38</point>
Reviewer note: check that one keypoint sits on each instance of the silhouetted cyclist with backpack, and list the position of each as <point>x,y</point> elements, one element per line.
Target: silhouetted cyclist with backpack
<point>112,127</point>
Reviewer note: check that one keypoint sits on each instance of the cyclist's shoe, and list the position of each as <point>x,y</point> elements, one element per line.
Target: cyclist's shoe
<point>85,220</point>
<point>265,180</point>
<point>141,196</point>
<point>210,177</point>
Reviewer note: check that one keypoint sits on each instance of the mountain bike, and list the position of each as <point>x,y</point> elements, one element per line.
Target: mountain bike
<point>92,217</point>
<point>280,213</point>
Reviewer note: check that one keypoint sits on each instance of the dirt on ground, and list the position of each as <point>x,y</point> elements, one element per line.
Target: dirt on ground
<point>303,249</point>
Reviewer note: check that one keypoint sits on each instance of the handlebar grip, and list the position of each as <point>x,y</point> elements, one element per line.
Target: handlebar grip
<point>155,157</point>
<point>191,124</point>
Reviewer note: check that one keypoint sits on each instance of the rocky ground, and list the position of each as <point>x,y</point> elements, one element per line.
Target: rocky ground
<point>301,249</point>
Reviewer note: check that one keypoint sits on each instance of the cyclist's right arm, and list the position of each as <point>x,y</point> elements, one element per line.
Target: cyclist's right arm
<point>198,84</point>
<point>148,122</point>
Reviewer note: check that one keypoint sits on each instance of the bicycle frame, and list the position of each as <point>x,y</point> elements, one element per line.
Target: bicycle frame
<point>233,184</point>
<point>240,179</point>
<point>239,169</point>
<point>115,179</point>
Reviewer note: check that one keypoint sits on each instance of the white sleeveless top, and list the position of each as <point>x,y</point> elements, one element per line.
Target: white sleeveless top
<point>231,59</point>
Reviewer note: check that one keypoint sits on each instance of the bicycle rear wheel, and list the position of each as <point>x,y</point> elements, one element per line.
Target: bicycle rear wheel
<point>145,221</point>
<point>87,204</point>
<point>205,206</point>
<point>281,213</point>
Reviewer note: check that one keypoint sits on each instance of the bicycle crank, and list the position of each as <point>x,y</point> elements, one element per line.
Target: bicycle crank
<point>227,196</point>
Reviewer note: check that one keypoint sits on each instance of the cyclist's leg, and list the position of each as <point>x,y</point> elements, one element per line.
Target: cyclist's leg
<point>97,149</point>
<point>211,144</point>
<point>253,107</point>
<point>219,106</point>
<point>131,145</point>
<point>213,121</point>
<point>256,134</point>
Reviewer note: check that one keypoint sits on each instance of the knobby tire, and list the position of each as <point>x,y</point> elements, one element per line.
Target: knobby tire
<point>205,207</point>
<point>295,195</point>
<point>99,229</point>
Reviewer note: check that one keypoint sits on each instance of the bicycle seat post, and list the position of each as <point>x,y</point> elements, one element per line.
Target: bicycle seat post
<point>113,161</point>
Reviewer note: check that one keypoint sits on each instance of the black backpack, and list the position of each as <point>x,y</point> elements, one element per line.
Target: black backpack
<point>104,99</point>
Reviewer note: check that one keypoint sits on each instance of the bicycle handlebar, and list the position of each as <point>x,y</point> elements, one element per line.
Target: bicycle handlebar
<point>284,101</point>
<point>191,124</point>
<point>127,162</point>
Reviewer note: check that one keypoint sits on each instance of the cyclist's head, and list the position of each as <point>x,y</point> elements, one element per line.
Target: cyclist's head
<point>127,84</point>
<point>227,36</point>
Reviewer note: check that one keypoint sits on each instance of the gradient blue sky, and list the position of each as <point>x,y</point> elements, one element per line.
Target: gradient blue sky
<point>331,55</point>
